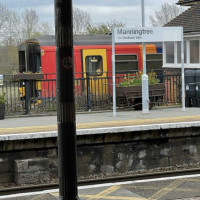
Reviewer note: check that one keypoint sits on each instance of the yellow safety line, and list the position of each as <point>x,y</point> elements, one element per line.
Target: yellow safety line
<point>28,129</point>
<point>55,194</point>
<point>114,197</point>
<point>38,197</point>
<point>156,188</point>
<point>166,190</point>
<point>104,197</point>
<point>132,122</point>
<point>105,192</point>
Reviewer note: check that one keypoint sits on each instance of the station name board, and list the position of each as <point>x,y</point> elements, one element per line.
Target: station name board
<point>152,34</point>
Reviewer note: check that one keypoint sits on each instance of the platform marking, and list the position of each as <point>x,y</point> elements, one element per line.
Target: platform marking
<point>113,197</point>
<point>103,197</point>
<point>166,190</point>
<point>38,197</point>
<point>105,192</point>
<point>193,180</point>
<point>187,190</point>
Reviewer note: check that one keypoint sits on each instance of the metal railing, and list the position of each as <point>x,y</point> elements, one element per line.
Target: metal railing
<point>91,93</point>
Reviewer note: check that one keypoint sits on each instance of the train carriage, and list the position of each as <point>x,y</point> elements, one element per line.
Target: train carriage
<point>92,60</point>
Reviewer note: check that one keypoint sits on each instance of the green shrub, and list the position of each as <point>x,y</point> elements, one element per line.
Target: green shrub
<point>2,99</point>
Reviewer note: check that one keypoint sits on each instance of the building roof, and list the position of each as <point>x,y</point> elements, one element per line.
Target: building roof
<point>187,2</point>
<point>190,19</point>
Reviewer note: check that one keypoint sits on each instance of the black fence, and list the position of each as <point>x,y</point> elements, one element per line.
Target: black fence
<point>33,96</point>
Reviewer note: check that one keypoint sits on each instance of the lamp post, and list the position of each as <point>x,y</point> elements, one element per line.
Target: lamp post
<point>65,101</point>
<point>145,87</point>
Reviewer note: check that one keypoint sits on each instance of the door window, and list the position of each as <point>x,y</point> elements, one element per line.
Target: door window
<point>94,65</point>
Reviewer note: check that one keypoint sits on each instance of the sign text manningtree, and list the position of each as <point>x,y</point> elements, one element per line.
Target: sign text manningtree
<point>153,34</point>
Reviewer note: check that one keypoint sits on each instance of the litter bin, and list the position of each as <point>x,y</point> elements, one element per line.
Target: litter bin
<point>197,87</point>
<point>190,88</point>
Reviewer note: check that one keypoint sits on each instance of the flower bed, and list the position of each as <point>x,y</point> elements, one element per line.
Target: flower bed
<point>129,90</point>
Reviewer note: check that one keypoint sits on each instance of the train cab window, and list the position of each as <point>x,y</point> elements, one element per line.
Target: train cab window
<point>154,61</point>
<point>94,65</point>
<point>22,62</point>
<point>126,63</point>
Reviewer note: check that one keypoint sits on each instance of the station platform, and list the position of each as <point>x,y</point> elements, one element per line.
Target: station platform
<point>92,120</point>
<point>172,188</point>
<point>187,188</point>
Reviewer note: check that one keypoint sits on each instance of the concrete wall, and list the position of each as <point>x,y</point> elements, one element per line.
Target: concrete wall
<point>100,154</point>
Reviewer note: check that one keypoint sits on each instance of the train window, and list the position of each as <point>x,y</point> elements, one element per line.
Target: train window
<point>94,65</point>
<point>126,63</point>
<point>170,52</point>
<point>154,61</point>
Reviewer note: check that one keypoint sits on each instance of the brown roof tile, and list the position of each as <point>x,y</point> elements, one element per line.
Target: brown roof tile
<point>187,2</point>
<point>190,19</point>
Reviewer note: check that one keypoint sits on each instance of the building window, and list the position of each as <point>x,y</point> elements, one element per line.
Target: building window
<point>170,52</point>
<point>94,65</point>
<point>126,63</point>
<point>194,51</point>
<point>179,52</point>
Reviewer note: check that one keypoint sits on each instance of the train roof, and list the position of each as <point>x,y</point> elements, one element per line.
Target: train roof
<point>49,40</point>
<point>79,40</point>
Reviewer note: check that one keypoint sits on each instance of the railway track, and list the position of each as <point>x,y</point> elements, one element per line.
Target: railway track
<point>115,179</point>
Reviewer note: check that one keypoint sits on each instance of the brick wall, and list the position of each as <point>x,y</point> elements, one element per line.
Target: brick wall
<point>102,154</point>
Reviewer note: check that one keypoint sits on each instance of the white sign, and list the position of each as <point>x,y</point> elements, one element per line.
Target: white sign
<point>151,34</point>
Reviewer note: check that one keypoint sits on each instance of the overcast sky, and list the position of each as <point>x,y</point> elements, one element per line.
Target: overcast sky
<point>127,11</point>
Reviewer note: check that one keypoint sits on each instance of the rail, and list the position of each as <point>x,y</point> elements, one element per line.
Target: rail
<point>42,187</point>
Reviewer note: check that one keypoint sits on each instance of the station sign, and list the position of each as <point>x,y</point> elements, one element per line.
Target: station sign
<point>151,34</point>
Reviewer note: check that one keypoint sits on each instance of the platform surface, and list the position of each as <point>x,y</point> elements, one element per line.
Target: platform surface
<point>173,188</point>
<point>87,120</point>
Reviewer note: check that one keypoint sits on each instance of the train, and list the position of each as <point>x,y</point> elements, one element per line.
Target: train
<point>37,55</point>
<point>92,58</point>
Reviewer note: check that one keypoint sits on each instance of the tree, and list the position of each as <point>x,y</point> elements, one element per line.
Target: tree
<point>102,28</point>
<point>80,21</point>
<point>4,14</point>
<point>11,31</point>
<point>44,28</point>
<point>30,21</point>
<point>166,14</point>
<point>14,29</point>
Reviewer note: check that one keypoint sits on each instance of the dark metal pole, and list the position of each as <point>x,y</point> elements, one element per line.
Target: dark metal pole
<point>88,92</point>
<point>65,101</point>
<point>27,96</point>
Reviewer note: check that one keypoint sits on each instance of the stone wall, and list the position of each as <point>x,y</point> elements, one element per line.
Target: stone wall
<point>102,154</point>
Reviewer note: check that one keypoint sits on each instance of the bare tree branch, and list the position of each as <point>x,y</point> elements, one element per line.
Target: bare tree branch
<point>166,14</point>
<point>80,21</point>
<point>30,20</point>
<point>102,28</point>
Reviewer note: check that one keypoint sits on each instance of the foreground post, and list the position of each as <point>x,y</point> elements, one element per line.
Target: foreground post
<point>145,87</point>
<point>65,100</point>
